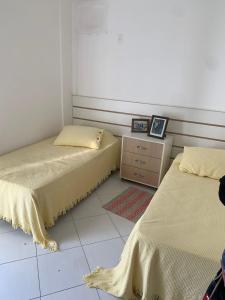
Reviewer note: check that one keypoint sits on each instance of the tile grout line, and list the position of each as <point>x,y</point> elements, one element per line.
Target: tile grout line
<point>102,241</point>
<point>42,296</point>
<point>61,250</point>
<point>84,252</point>
<point>81,245</point>
<point>83,218</point>
<point>115,227</point>
<point>16,260</point>
<point>39,283</point>
<point>98,294</point>
<point>57,292</point>
<point>12,230</point>
<point>108,214</point>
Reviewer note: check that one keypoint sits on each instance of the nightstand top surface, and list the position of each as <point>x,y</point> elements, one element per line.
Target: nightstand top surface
<point>145,137</point>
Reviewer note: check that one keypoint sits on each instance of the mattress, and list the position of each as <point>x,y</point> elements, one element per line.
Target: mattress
<point>175,249</point>
<point>42,181</point>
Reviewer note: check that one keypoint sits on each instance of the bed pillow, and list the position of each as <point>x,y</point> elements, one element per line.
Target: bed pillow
<point>207,162</point>
<point>80,136</point>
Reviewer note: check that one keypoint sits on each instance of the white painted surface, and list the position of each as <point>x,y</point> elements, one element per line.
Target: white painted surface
<point>154,51</point>
<point>65,15</point>
<point>74,44</point>
<point>35,72</point>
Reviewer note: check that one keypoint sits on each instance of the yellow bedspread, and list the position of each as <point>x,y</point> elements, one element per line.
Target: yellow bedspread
<point>40,182</point>
<point>174,250</point>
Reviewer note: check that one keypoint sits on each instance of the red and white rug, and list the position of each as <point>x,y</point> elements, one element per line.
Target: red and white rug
<point>130,204</point>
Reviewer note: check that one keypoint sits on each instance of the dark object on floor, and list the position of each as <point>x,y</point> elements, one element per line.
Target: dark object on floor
<point>216,290</point>
<point>131,204</point>
<point>222,190</point>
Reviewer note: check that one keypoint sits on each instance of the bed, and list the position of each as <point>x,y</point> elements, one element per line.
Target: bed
<point>174,250</point>
<point>42,181</point>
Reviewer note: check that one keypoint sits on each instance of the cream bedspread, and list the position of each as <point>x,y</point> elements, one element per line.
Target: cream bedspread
<point>174,250</point>
<point>40,182</point>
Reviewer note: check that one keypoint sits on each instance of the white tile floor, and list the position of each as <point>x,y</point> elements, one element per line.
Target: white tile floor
<point>88,236</point>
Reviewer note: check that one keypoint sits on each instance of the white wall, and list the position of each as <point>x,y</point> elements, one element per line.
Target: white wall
<point>65,10</point>
<point>35,70</point>
<point>168,52</point>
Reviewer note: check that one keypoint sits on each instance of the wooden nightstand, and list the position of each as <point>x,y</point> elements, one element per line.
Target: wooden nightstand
<point>144,159</point>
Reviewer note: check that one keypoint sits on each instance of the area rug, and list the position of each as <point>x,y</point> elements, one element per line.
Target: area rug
<point>130,204</point>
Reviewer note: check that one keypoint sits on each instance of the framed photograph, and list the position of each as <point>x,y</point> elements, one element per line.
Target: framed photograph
<point>158,127</point>
<point>140,125</point>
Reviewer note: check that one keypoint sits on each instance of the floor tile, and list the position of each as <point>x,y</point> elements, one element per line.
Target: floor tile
<point>95,229</point>
<point>126,183</point>
<point>64,218</point>
<point>64,233</point>
<point>105,296</point>
<point>110,189</point>
<point>5,227</point>
<point>123,225</point>
<point>77,293</point>
<point>19,280</point>
<point>125,238</point>
<point>61,270</point>
<point>16,245</point>
<point>88,207</point>
<point>104,254</point>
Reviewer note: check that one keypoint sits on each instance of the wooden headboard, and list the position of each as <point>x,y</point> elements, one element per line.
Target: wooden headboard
<point>189,126</point>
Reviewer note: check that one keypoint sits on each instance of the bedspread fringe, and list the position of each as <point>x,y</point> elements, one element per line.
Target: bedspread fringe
<point>16,225</point>
<point>51,245</point>
<point>88,277</point>
<point>103,279</point>
<point>77,200</point>
<point>48,243</point>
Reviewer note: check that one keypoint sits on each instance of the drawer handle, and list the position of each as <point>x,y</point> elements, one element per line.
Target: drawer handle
<point>139,175</point>
<point>140,161</point>
<point>141,147</point>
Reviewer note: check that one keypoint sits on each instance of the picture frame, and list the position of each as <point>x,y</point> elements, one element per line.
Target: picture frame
<point>157,127</point>
<point>140,125</point>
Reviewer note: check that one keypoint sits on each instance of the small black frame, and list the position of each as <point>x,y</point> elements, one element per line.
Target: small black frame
<point>158,126</point>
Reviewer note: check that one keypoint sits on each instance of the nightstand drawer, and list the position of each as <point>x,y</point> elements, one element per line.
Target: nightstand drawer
<point>141,161</point>
<point>139,175</point>
<point>142,147</point>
